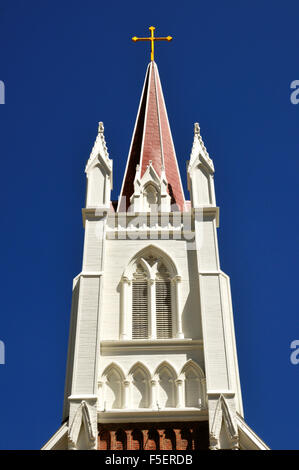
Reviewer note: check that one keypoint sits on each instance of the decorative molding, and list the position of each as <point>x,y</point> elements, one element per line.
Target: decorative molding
<point>138,200</point>
<point>82,416</point>
<point>142,345</point>
<point>249,440</point>
<point>199,151</point>
<point>223,415</point>
<point>81,397</point>
<point>150,415</point>
<point>57,438</point>
<point>99,148</point>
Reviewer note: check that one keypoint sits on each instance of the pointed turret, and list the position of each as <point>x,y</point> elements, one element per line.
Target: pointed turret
<point>152,143</point>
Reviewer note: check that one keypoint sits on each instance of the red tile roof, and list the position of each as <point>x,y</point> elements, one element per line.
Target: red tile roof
<point>152,141</point>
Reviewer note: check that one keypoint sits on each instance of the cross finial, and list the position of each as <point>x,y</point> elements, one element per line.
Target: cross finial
<point>152,39</point>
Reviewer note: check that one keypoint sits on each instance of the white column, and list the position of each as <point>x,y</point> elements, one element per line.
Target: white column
<point>177,306</point>
<point>107,190</point>
<point>124,302</point>
<point>126,400</point>
<point>152,308</point>
<point>180,402</point>
<point>154,394</point>
<point>101,391</point>
<point>203,392</point>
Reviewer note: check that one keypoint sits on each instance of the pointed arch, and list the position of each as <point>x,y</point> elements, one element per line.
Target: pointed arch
<point>140,385</point>
<point>142,366</point>
<point>117,367</point>
<point>151,197</point>
<point>150,296</point>
<point>166,385</point>
<point>193,384</point>
<point>154,251</point>
<point>113,377</point>
<point>192,364</point>
<point>167,365</point>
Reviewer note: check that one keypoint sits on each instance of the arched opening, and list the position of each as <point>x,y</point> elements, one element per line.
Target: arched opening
<point>154,296</point>
<point>140,387</point>
<point>137,440</point>
<point>166,386</point>
<point>169,439</point>
<point>113,395</point>
<point>193,387</point>
<point>120,440</point>
<point>151,198</point>
<point>186,440</point>
<point>104,440</point>
<point>153,440</point>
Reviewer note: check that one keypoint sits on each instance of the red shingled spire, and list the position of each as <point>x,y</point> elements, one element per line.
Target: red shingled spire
<point>152,141</point>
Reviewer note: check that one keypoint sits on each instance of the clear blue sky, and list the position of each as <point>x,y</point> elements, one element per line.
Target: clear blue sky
<point>69,64</point>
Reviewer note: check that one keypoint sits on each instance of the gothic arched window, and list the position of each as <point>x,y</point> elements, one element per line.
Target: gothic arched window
<point>166,386</point>
<point>151,315</point>
<point>150,302</point>
<point>113,379</point>
<point>140,386</point>
<point>194,385</point>
<point>151,198</point>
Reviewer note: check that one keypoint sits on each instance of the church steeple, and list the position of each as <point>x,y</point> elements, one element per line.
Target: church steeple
<point>152,143</point>
<point>152,359</point>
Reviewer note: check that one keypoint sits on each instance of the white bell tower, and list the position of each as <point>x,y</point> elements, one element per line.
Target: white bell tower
<point>152,361</point>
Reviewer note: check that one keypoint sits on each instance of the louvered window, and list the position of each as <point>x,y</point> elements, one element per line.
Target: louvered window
<point>140,304</point>
<point>140,310</point>
<point>161,313</point>
<point>163,309</point>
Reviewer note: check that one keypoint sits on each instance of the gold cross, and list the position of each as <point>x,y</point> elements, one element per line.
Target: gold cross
<point>152,39</point>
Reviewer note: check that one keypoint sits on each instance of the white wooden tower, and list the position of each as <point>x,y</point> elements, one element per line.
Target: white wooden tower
<point>152,361</point>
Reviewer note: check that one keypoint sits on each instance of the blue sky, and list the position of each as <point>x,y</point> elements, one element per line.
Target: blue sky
<point>67,65</point>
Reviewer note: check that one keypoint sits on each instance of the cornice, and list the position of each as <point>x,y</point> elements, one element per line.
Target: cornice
<point>169,414</point>
<point>120,346</point>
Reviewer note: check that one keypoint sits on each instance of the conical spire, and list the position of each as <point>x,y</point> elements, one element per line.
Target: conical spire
<point>152,141</point>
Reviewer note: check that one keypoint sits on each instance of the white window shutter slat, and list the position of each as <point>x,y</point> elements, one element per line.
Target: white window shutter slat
<point>140,310</point>
<point>163,309</point>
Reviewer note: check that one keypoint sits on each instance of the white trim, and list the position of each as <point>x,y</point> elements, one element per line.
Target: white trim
<point>177,166</point>
<point>59,434</point>
<point>159,121</point>
<point>133,135</point>
<point>249,440</point>
<point>83,397</point>
<point>145,116</point>
<point>169,414</point>
<point>172,344</point>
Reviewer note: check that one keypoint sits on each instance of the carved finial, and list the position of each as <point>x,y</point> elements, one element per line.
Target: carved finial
<point>101,127</point>
<point>196,128</point>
